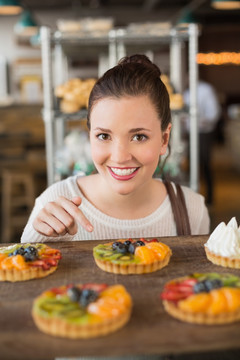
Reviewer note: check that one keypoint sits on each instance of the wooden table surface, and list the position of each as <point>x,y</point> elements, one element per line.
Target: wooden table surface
<point>150,330</point>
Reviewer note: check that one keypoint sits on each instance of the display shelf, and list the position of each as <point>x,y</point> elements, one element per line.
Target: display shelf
<point>79,115</point>
<point>57,47</point>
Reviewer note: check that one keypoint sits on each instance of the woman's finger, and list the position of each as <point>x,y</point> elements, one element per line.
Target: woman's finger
<point>59,218</point>
<point>75,212</point>
<point>43,228</point>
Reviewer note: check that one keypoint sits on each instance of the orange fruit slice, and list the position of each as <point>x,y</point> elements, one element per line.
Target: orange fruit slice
<point>218,303</point>
<point>146,255</point>
<point>7,263</point>
<point>159,248</point>
<point>2,257</point>
<point>14,262</point>
<point>112,302</point>
<point>19,262</point>
<point>233,298</point>
<point>196,303</point>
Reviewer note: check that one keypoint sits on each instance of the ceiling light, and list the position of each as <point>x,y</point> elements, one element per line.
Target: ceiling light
<point>225,4</point>
<point>10,7</point>
<point>26,26</point>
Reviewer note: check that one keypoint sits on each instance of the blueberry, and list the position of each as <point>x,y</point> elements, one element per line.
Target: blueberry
<point>31,250</point>
<point>19,251</point>
<point>87,296</point>
<point>74,293</point>
<point>140,243</point>
<point>29,256</point>
<point>115,245</point>
<point>132,247</point>
<point>120,247</point>
<point>200,287</point>
<point>213,284</point>
<point>127,243</point>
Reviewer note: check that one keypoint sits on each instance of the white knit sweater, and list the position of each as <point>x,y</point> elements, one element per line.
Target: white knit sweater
<point>159,223</point>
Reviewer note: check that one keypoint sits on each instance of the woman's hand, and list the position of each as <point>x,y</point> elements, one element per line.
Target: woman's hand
<point>60,217</point>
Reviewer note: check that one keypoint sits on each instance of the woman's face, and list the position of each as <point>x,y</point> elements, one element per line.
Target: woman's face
<point>126,141</point>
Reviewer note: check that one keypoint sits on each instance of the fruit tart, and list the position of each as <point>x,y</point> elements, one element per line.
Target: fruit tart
<point>209,298</point>
<point>132,256</point>
<point>22,262</point>
<point>82,310</point>
<point>223,245</point>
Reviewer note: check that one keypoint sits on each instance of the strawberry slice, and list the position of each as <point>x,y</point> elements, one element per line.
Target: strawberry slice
<point>61,290</point>
<point>175,295</point>
<point>41,263</point>
<point>184,286</point>
<point>149,240</point>
<point>45,263</point>
<point>175,291</point>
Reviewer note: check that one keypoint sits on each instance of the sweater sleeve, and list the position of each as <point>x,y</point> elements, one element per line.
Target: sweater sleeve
<point>31,235</point>
<point>63,188</point>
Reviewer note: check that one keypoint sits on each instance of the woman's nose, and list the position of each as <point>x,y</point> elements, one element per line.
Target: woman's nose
<point>120,152</point>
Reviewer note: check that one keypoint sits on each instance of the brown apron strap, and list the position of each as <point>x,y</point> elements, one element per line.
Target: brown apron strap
<point>175,208</point>
<point>179,209</point>
<point>184,212</point>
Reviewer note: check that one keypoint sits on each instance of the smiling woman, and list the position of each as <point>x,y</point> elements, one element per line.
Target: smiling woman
<point>126,153</point>
<point>129,120</point>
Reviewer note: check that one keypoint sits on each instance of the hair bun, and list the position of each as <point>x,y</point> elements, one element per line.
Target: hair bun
<point>143,60</point>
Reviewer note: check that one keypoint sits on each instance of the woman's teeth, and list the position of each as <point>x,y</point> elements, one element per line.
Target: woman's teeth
<point>123,172</point>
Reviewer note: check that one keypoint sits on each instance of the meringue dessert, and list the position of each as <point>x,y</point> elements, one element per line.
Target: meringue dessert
<point>223,245</point>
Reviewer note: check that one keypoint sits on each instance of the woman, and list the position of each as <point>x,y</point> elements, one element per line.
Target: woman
<point>129,122</point>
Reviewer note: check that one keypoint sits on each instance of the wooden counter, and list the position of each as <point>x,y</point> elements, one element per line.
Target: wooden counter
<point>150,330</point>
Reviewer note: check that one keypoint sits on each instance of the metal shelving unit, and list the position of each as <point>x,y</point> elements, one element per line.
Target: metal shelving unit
<point>55,47</point>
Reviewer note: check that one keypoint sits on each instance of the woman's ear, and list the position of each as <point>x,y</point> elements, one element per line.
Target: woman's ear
<point>165,139</point>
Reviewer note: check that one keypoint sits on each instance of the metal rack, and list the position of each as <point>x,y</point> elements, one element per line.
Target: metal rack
<point>54,69</point>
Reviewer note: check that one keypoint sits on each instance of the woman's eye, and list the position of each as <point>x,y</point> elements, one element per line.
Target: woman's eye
<point>103,136</point>
<point>139,137</point>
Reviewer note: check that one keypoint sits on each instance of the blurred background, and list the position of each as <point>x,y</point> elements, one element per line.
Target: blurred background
<point>52,52</point>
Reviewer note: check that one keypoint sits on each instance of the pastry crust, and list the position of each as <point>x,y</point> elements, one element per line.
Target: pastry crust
<point>127,269</point>
<point>222,261</point>
<point>200,318</point>
<point>199,298</point>
<point>21,269</point>
<point>15,275</point>
<point>61,328</point>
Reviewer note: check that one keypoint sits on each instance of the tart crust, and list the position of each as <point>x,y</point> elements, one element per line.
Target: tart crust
<point>126,269</point>
<point>222,261</point>
<point>14,275</point>
<point>200,318</point>
<point>61,328</point>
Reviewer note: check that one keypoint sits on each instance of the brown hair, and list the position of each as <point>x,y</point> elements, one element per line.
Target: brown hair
<point>133,76</point>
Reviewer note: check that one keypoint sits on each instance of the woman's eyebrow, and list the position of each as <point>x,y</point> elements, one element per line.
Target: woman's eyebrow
<point>134,130</point>
<point>138,129</point>
<point>102,129</point>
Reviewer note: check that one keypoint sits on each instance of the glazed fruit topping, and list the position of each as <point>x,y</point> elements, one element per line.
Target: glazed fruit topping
<point>83,296</point>
<point>29,253</point>
<point>198,284</point>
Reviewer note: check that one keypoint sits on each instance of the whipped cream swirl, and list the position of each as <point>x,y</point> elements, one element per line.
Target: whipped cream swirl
<point>225,240</point>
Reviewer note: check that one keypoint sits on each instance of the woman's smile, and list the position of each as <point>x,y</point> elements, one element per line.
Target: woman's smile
<point>123,173</point>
